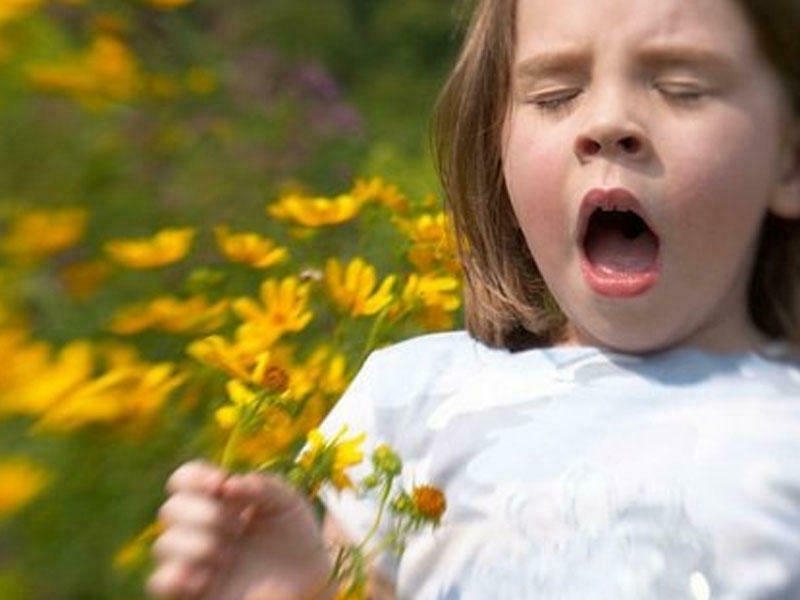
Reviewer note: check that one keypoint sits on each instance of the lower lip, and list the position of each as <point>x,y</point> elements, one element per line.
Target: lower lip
<point>618,284</point>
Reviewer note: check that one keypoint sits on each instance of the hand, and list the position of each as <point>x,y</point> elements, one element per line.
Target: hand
<point>237,537</point>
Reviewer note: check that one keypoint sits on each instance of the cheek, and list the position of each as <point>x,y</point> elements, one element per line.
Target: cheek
<point>535,174</point>
<point>723,177</point>
<point>717,190</point>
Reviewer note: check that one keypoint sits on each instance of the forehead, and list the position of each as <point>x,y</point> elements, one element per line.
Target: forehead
<point>717,24</point>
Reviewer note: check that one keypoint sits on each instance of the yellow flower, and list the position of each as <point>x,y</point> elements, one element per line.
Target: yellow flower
<point>165,247</point>
<point>132,319</point>
<point>431,291</point>
<point>13,9</point>
<point>279,432</point>
<point>433,242</point>
<point>36,234</point>
<point>241,397</point>
<point>106,72</point>
<point>435,319</point>
<point>328,459</point>
<point>125,395</point>
<point>170,314</point>
<point>432,299</point>
<point>353,288</point>
<point>283,309</point>
<point>135,551</point>
<point>315,212</point>
<point>263,369</point>
<point>322,372</point>
<point>33,381</point>
<point>352,591</point>
<point>20,482</point>
<point>217,352</point>
<point>377,190</point>
<point>334,377</point>
<point>26,359</point>
<point>167,4</point>
<point>270,429</point>
<point>249,248</point>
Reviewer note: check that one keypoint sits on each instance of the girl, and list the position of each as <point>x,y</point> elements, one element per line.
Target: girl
<point>622,418</point>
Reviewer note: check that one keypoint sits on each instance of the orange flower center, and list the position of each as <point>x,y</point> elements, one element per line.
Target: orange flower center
<point>275,379</point>
<point>429,501</point>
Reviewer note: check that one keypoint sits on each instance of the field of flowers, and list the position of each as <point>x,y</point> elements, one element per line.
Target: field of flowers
<point>210,212</point>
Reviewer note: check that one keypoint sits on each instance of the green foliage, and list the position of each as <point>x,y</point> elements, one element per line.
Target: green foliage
<point>233,103</point>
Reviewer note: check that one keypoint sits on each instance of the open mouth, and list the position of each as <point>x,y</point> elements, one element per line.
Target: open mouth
<point>619,240</point>
<point>620,249</point>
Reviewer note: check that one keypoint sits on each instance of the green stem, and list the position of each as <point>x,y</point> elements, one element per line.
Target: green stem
<point>372,337</point>
<point>271,463</point>
<point>230,446</point>
<point>388,541</point>
<point>244,418</point>
<point>336,570</point>
<point>338,331</point>
<point>387,488</point>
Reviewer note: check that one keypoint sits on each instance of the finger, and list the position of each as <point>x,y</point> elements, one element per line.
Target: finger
<point>176,580</point>
<point>193,510</point>
<point>189,545</point>
<point>196,476</point>
<point>268,493</point>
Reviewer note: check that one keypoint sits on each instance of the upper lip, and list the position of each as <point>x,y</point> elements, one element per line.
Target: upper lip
<point>617,199</point>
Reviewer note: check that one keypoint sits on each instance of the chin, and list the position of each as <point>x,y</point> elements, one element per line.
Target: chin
<point>639,346</point>
<point>625,339</point>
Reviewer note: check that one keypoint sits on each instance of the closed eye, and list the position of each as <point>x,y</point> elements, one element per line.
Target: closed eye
<point>680,91</point>
<point>552,101</point>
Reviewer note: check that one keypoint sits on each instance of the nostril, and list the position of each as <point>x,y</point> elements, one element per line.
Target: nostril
<point>630,144</point>
<point>589,147</point>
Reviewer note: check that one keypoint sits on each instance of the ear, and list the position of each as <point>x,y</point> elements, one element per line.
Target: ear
<point>786,201</point>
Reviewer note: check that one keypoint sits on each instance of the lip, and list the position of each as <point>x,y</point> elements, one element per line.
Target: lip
<point>616,284</point>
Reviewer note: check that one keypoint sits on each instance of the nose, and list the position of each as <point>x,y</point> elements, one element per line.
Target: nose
<point>611,131</point>
<point>628,143</point>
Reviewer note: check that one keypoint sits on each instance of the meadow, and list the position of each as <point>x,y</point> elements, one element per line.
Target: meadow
<point>210,213</point>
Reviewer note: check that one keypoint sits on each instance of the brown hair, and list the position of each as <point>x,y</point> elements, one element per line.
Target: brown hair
<point>507,303</point>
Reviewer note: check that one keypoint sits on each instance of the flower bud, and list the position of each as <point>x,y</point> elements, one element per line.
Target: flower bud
<point>387,461</point>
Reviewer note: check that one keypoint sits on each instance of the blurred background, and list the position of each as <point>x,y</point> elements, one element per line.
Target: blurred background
<point>123,118</point>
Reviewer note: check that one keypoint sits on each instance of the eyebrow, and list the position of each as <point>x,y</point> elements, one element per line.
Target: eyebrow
<point>687,56</point>
<point>551,62</point>
<point>547,63</point>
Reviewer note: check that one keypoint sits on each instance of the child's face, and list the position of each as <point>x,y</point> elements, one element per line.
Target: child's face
<point>642,150</point>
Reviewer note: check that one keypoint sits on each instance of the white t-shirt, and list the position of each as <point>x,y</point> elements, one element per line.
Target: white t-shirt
<point>572,472</point>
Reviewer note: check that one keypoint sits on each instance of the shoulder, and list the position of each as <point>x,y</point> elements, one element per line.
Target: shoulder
<point>420,364</point>
<point>447,346</point>
<point>407,376</point>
